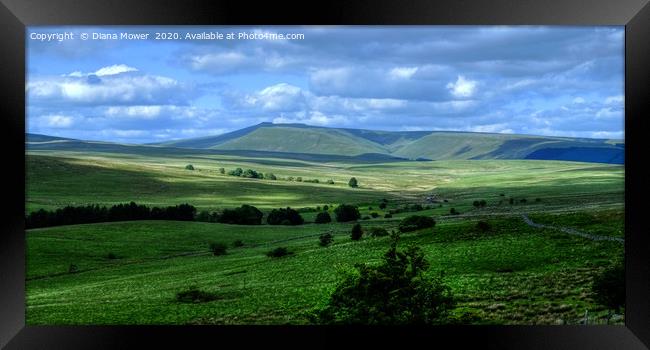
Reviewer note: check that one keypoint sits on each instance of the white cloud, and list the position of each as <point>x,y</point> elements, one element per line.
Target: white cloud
<point>104,71</point>
<point>403,72</point>
<point>578,100</point>
<point>462,88</point>
<point>615,99</point>
<point>58,121</point>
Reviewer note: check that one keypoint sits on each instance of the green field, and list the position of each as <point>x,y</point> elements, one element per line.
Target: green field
<point>513,274</point>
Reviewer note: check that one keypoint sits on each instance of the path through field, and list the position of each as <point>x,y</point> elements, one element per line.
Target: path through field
<point>571,231</point>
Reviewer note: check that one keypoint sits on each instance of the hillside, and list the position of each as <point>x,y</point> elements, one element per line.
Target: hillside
<point>312,143</point>
<point>429,145</point>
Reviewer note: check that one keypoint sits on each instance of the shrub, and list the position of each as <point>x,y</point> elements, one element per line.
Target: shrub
<point>394,293</point>
<point>538,199</point>
<point>278,252</point>
<point>194,295</point>
<point>357,232</point>
<point>222,171</point>
<point>388,216</point>
<point>330,182</point>
<point>323,218</point>
<point>382,205</point>
<point>378,232</point>
<point>284,216</point>
<point>299,179</point>
<point>609,287</point>
<point>511,200</point>
<point>326,207</point>
<point>189,167</point>
<point>374,214</point>
<point>73,268</point>
<point>346,212</point>
<point>236,172</point>
<point>244,215</point>
<point>453,211</point>
<point>218,248</point>
<point>238,243</point>
<point>365,217</point>
<point>270,176</point>
<point>353,182</point>
<point>251,174</point>
<point>325,239</point>
<point>523,200</point>
<point>111,256</point>
<point>483,226</point>
<point>416,222</point>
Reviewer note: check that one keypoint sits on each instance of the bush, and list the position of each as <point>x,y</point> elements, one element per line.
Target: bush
<point>194,295</point>
<point>378,232</point>
<point>330,182</point>
<point>523,200</point>
<point>365,217</point>
<point>325,239</point>
<point>270,176</point>
<point>382,205</point>
<point>388,216</point>
<point>538,199</point>
<point>353,182</point>
<point>236,172</point>
<point>511,201</point>
<point>345,213</point>
<point>189,167</point>
<point>73,268</point>
<point>453,211</point>
<point>283,216</point>
<point>244,215</point>
<point>323,218</point>
<point>222,171</point>
<point>374,214</point>
<point>326,207</point>
<point>111,256</point>
<point>251,174</point>
<point>299,179</point>
<point>218,248</point>
<point>394,293</point>
<point>238,243</point>
<point>357,232</point>
<point>609,287</point>
<point>279,252</point>
<point>415,222</point>
<point>483,226</point>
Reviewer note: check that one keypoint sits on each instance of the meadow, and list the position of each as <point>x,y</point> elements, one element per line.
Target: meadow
<point>511,274</point>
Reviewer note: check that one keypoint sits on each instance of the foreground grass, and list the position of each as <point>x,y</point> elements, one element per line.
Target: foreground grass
<point>513,274</point>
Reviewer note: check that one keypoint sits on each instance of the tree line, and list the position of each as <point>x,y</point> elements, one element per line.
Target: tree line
<point>72,215</point>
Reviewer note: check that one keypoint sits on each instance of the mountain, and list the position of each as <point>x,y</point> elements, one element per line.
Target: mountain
<point>433,145</point>
<point>315,143</point>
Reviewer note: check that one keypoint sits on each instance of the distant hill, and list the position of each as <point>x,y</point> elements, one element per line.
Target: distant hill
<point>314,143</point>
<point>434,145</point>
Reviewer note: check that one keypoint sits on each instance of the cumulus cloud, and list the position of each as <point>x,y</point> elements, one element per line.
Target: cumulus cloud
<point>462,88</point>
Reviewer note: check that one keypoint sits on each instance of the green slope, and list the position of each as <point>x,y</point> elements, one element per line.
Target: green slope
<point>304,140</point>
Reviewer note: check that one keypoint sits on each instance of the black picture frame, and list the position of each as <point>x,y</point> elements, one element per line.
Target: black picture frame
<point>15,15</point>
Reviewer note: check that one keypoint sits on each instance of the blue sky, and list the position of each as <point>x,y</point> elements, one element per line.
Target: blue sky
<point>562,81</point>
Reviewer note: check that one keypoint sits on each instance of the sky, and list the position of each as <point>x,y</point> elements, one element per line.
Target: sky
<point>539,80</point>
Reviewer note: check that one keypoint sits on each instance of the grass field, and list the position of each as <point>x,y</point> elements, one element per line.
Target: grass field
<point>512,274</point>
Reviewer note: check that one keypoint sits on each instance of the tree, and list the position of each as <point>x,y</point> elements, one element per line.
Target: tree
<point>222,171</point>
<point>483,226</point>
<point>270,176</point>
<point>382,205</point>
<point>279,252</point>
<point>357,232</point>
<point>218,248</point>
<point>299,178</point>
<point>609,287</point>
<point>378,232</point>
<point>346,212</point>
<point>323,218</point>
<point>353,182</point>
<point>416,222</point>
<point>325,239</point>
<point>189,167</point>
<point>393,293</point>
<point>330,182</point>
<point>284,216</point>
<point>476,204</point>
<point>453,211</point>
<point>326,207</point>
<point>244,215</point>
<point>236,172</point>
